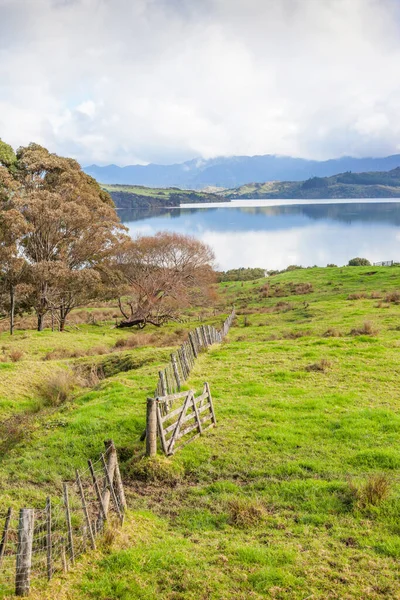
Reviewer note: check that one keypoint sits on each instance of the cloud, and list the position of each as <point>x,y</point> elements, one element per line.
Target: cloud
<point>136,81</point>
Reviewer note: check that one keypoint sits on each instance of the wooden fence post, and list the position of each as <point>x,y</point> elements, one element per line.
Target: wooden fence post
<point>211,403</point>
<point>111,486</point>
<point>48,540</point>
<point>24,551</point>
<point>193,344</point>
<point>151,427</point>
<point>164,389</point>
<point>117,477</point>
<point>85,510</point>
<point>69,526</point>
<point>111,465</point>
<point>176,372</point>
<point>97,490</point>
<point>4,536</point>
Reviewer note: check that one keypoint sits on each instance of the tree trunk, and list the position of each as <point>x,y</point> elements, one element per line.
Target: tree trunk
<point>12,309</point>
<point>40,322</point>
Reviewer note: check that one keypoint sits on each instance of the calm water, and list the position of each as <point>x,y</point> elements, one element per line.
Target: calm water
<point>275,234</point>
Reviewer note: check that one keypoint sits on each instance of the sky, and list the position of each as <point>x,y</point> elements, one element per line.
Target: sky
<point>139,81</point>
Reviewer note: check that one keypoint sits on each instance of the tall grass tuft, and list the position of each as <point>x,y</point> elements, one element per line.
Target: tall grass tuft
<point>57,388</point>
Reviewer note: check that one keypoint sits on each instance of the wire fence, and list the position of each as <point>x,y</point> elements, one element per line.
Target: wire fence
<point>38,543</point>
<point>183,360</point>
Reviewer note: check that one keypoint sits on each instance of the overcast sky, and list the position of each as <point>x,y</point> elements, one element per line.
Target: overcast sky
<point>137,81</point>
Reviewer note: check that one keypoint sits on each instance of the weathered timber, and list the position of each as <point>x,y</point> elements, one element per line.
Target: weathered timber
<point>176,372</point>
<point>151,427</point>
<point>178,424</point>
<point>24,551</point>
<point>69,526</point>
<point>48,540</point>
<point>85,510</point>
<point>97,490</point>
<point>4,536</point>
<point>110,484</point>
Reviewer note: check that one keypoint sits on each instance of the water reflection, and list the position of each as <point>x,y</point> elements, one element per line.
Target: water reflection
<point>274,236</point>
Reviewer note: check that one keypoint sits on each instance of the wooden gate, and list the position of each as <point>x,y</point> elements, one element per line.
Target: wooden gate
<point>174,424</point>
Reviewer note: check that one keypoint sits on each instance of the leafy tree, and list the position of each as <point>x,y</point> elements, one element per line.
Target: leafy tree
<point>359,262</point>
<point>164,273</point>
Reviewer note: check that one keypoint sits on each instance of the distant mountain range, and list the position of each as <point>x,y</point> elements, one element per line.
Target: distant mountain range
<point>235,171</point>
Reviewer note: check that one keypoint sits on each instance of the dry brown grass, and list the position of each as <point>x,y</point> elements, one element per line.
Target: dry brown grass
<point>322,366</point>
<point>357,296</point>
<point>245,513</point>
<point>368,328</point>
<point>16,355</point>
<point>373,492</point>
<point>393,297</point>
<point>57,388</point>
<point>332,332</point>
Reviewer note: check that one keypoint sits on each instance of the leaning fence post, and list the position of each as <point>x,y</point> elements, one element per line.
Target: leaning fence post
<point>4,536</point>
<point>69,526</point>
<point>193,344</point>
<point>85,510</point>
<point>24,551</point>
<point>211,403</point>
<point>118,479</point>
<point>151,427</point>
<point>97,490</point>
<point>48,539</point>
<point>111,464</point>
<point>110,484</point>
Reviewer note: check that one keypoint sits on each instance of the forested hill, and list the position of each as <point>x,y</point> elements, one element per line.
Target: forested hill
<point>135,196</point>
<point>345,185</point>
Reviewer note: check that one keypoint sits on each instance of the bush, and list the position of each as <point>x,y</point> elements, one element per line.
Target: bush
<point>57,388</point>
<point>359,262</point>
<point>393,297</point>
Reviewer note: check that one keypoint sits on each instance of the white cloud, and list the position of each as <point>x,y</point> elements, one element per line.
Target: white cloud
<point>130,81</point>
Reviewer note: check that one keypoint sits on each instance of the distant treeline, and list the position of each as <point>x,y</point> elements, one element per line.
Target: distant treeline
<point>156,198</point>
<point>241,274</point>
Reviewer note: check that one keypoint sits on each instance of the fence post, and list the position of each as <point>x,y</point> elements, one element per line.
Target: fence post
<point>111,486</point>
<point>111,465</point>
<point>211,403</point>
<point>4,537</point>
<point>176,372</point>
<point>193,344</point>
<point>48,539</point>
<point>117,476</point>
<point>85,510</point>
<point>97,490</point>
<point>151,427</point>
<point>164,390</point>
<point>69,526</point>
<point>24,551</point>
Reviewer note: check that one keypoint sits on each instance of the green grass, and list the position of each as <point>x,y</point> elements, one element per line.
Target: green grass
<point>291,447</point>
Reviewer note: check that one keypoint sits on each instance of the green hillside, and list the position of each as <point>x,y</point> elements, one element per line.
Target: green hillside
<point>346,185</point>
<point>295,494</point>
<point>135,196</point>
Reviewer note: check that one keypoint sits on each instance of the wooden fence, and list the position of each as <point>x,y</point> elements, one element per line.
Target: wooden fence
<point>38,543</point>
<point>182,361</point>
<point>179,425</point>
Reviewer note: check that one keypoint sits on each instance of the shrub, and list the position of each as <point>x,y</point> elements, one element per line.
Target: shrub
<point>358,262</point>
<point>245,513</point>
<point>367,329</point>
<point>331,265</point>
<point>375,295</point>
<point>57,388</point>
<point>16,355</point>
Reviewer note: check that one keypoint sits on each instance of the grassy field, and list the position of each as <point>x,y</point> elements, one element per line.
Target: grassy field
<point>296,493</point>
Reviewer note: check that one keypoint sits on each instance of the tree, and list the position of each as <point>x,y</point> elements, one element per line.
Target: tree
<point>57,229</point>
<point>164,273</point>
<point>359,262</point>
<point>72,228</point>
